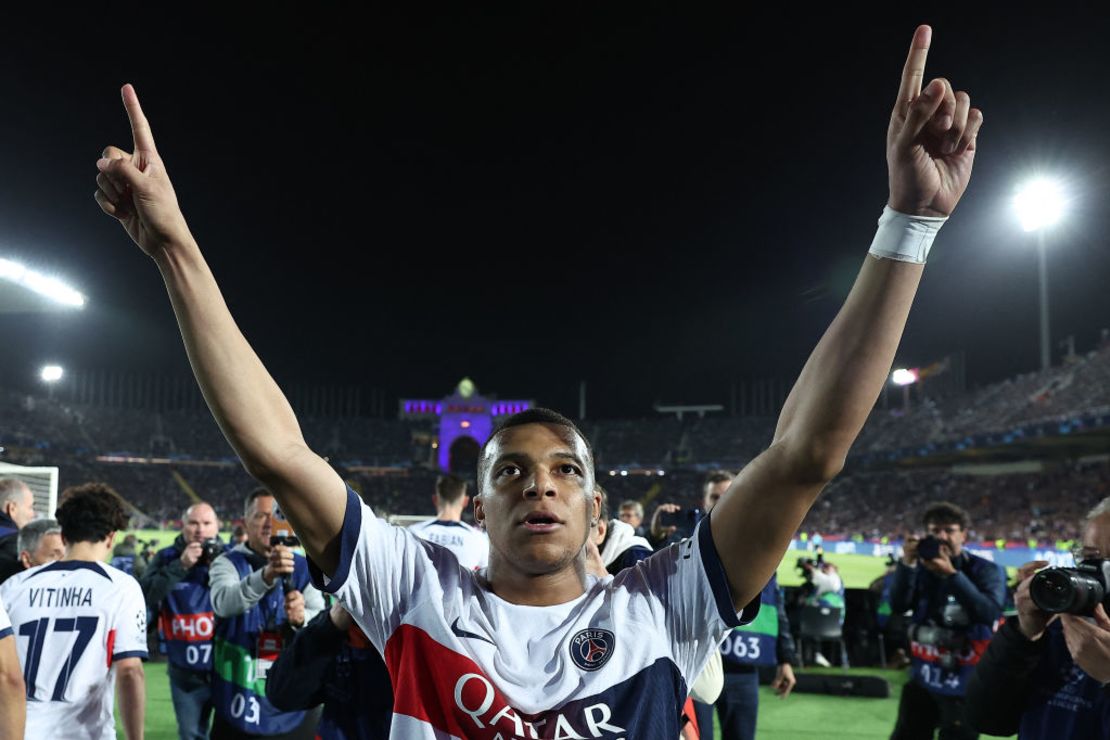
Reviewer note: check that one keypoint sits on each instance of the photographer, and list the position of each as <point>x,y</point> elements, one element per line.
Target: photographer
<point>261,593</point>
<point>175,586</point>
<point>956,598</point>
<point>1044,677</point>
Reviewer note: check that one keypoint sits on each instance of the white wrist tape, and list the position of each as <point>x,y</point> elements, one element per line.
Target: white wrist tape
<point>905,238</point>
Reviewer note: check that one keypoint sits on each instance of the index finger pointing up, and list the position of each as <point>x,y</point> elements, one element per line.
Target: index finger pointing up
<point>140,129</point>
<point>914,71</point>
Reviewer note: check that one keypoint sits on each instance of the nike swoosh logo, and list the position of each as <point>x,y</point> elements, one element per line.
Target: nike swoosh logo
<point>455,628</point>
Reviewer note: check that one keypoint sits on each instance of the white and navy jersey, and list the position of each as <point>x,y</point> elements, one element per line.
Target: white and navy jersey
<point>5,622</point>
<point>615,662</point>
<point>73,619</point>
<point>470,544</point>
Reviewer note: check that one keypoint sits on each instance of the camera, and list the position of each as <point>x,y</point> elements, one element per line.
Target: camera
<point>1075,590</point>
<point>288,540</point>
<point>803,561</point>
<point>928,547</point>
<point>210,549</point>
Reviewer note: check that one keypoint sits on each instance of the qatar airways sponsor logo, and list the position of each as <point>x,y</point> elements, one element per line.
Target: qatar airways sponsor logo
<point>476,698</point>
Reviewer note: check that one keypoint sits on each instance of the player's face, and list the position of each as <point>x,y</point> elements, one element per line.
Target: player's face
<point>713,493</point>
<point>259,524</point>
<point>200,523</point>
<point>1096,536</point>
<point>50,549</point>
<point>538,501</point>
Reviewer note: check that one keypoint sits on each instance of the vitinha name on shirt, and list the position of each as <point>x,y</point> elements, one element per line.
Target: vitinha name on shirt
<point>60,597</point>
<point>481,705</point>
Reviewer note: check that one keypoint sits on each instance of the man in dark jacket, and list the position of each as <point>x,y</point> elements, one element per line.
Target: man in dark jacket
<point>175,586</point>
<point>331,662</point>
<point>956,598</point>
<point>1045,678</point>
<point>17,508</point>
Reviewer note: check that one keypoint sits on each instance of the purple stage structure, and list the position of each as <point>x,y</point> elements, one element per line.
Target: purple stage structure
<point>466,420</point>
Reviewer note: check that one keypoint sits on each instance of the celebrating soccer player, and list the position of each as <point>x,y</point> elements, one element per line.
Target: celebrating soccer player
<point>533,646</point>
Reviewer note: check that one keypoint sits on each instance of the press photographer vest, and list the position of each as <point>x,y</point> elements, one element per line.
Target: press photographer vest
<point>755,644</point>
<point>238,692</point>
<point>185,621</point>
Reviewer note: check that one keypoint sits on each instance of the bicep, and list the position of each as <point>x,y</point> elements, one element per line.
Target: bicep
<point>754,521</point>
<point>313,498</point>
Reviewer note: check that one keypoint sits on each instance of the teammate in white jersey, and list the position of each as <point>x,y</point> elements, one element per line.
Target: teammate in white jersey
<point>470,544</point>
<point>13,694</point>
<point>80,626</point>
<point>532,646</point>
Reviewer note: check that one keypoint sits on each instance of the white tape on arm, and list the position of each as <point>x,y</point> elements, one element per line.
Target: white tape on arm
<point>905,238</point>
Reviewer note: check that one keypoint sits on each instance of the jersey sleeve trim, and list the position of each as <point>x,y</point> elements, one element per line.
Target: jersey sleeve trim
<point>348,540</point>
<point>6,632</point>
<point>116,657</point>
<point>718,581</point>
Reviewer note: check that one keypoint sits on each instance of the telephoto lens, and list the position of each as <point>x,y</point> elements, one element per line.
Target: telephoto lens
<point>1071,590</point>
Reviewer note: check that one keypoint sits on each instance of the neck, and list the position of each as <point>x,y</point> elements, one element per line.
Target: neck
<point>449,514</point>
<point>515,586</point>
<point>92,551</point>
<point>263,551</point>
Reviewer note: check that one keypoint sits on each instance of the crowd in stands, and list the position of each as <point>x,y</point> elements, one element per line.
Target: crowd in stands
<point>388,461</point>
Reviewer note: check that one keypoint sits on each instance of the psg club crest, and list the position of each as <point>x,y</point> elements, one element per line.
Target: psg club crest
<point>590,649</point>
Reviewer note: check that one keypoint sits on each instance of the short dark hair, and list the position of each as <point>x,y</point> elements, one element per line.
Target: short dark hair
<point>718,476</point>
<point>255,494</point>
<point>532,416</point>
<point>450,488</point>
<point>90,512</point>
<point>946,512</point>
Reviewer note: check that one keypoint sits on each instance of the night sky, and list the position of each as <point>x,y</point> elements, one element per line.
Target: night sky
<point>658,202</point>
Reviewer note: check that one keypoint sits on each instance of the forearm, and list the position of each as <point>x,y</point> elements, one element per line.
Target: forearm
<point>249,407</point>
<point>13,706</point>
<point>246,402</point>
<point>983,601</point>
<point>131,695</point>
<point>232,595</point>
<point>844,375</point>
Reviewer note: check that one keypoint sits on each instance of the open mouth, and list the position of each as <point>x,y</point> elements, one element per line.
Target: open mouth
<point>541,522</point>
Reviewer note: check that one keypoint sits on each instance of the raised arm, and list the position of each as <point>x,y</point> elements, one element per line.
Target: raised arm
<point>930,150</point>
<point>248,405</point>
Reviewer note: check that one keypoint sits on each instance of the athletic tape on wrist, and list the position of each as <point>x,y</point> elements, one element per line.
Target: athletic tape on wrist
<point>905,238</point>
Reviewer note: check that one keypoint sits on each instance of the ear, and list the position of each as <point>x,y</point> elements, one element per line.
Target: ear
<point>435,500</point>
<point>466,501</point>
<point>25,559</point>
<point>479,511</point>
<point>111,539</point>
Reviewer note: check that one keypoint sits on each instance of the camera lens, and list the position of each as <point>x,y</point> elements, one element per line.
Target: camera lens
<point>1065,591</point>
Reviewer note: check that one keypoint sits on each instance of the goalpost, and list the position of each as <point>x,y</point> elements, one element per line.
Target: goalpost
<point>43,482</point>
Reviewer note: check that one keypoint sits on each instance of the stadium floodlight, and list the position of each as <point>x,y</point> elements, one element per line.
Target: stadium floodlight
<point>1039,203</point>
<point>51,373</point>
<point>903,376</point>
<point>44,285</point>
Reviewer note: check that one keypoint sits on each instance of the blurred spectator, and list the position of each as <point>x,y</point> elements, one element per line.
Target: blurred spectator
<point>40,542</point>
<point>17,508</point>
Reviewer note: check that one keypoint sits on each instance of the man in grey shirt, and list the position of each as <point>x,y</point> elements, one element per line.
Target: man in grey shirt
<point>260,593</point>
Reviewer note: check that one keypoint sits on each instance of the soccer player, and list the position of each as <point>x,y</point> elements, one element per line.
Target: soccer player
<point>13,694</point>
<point>533,645</point>
<point>176,588</point>
<point>80,626</point>
<point>470,545</point>
<point>40,542</point>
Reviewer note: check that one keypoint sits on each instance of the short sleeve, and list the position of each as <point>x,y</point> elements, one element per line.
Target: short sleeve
<point>688,584</point>
<point>5,622</point>
<point>383,571</point>
<point>130,622</point>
